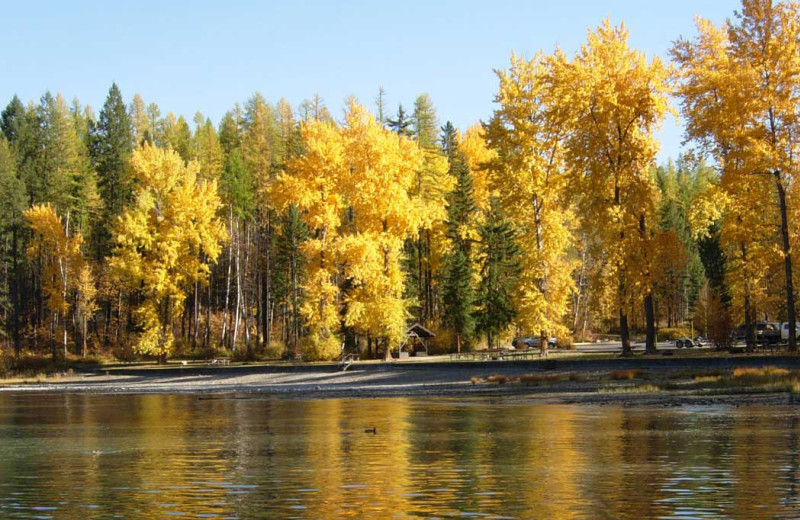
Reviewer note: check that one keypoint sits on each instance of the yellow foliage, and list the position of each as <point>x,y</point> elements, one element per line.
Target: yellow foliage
<point>357,186</point>
<point>613,100</point>
<point>739,86</point>
<point>478,155</point>
<point>165,241</point>
<point>60,256</point>
<point>526,171</point>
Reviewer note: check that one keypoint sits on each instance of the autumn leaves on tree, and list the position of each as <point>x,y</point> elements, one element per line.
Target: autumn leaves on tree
<point>288,233</point>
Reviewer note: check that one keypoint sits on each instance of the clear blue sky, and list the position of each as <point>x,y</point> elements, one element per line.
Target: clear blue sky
<point>189,56</point>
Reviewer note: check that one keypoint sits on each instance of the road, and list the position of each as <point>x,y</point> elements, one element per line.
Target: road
<point>616,346</point>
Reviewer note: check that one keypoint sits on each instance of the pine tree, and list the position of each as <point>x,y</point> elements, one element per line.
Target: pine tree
<point>499,268</point>
<point>450,141</point>
<point>458,294</point>
<point>289,274</point>
<point>112,145</point>
<point>12,203</point>
<point>10,119</point>
<point>402,125</point>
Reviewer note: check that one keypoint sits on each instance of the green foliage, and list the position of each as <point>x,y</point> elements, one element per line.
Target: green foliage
<point>402,125</point>
<point>237,186</point>
<point>290,264</point>
<point>458,294</point>
<point>11,118</point>
<point>111,148</point>
<point>499,268</point>
<point>423,121</point>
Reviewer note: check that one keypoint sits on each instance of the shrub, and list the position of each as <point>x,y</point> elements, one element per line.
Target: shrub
<point>529,379</point>
<point>565,342</point>
<point>670,333</point>
<point>499,379</point>
<point>626,375</point>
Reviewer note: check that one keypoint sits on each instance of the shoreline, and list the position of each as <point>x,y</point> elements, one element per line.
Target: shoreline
<point>562,381</point>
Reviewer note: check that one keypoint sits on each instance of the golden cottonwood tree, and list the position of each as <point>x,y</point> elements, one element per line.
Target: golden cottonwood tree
<point>384,209</point>
<point>478,155</point>
<point>615,99</point>
<point>740,87</point>
<point>62,264</point>
<point>312,182</point>
<point>164,243</point>
<point>527,173</point>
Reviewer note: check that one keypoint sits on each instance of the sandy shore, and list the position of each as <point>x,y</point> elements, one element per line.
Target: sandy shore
<point>452,380</point>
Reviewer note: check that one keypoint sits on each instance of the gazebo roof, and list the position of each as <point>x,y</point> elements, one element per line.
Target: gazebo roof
<point>419,331</point>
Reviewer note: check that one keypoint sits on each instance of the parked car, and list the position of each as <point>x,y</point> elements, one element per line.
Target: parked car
<point>533,343</point>
<point>766,333</point>
<point>785,330</point>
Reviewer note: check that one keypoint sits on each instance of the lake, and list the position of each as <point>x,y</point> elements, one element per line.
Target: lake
<point>189,456</point>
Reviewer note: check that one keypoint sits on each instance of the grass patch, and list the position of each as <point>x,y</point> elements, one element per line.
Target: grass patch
<point>627,389</point>
<point>743,380</point>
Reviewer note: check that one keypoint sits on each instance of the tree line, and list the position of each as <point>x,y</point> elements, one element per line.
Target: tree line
<point>283,231</point>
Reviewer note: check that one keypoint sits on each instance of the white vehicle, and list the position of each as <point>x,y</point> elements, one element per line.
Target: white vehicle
<point>785,330</point>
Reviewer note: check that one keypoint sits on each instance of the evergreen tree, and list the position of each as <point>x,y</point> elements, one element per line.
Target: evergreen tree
<point>498,270</point>
<point>289,272</point>
<point>423,122</point>
<point>10,119</point>
<point>458,295</point>
<point>449,141</point>
<point>178,136</point>
<point>401,125</point>
<point>12,203</point>
<point>112,145</point>
<point>229,137</point>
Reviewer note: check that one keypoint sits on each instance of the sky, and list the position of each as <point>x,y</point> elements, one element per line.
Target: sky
<point>207,56</point>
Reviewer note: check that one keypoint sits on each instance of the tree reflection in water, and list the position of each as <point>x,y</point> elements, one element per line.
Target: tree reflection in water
<point>82,456</point>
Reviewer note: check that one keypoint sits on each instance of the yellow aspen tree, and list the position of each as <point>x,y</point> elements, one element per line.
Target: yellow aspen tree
<point>615,101</point>
<point>85,302</point>
<point>164,243</point>
<point>383,211</point>
<point>61,261</point>
<point>527,173</point>
<point>740,87</point>
<point>312,182</point>
<point>478,155</point>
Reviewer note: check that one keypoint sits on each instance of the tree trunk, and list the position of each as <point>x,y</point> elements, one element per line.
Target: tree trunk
<point>235,335</point>
<point>650,323</point>
<point>623,332</point>
<point>226,310</point>
<point>15,293</point>
<point>750,337</point>
<point>787,265</point>
<point>543,344</point>
<point>387,352</point>
<point>649,311</point>
<point>196,314</point>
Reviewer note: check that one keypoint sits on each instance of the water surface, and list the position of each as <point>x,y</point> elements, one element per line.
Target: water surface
<point>162,456</point>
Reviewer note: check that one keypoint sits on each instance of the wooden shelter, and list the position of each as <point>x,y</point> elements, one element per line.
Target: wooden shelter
<point>416,342</point>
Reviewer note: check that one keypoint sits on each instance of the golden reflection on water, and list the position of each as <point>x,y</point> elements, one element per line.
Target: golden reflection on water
<point>159,456</point>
